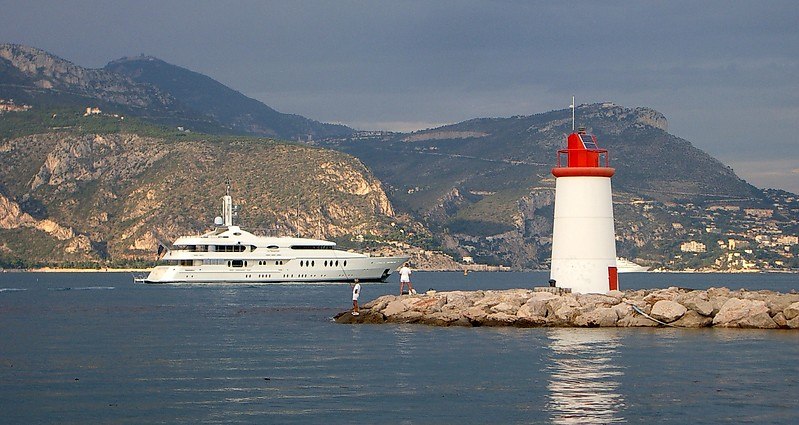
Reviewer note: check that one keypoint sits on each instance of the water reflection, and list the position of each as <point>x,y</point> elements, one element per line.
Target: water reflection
<point>584,376</point>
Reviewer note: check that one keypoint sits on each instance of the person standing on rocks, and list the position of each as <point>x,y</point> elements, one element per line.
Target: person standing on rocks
<point>356,292</point>
<point>405,279</point>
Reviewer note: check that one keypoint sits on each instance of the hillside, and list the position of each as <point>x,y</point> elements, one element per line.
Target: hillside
<point>76,195</point>
<point>148,88</point>
<point>484,186</point>
<point>480,188</point>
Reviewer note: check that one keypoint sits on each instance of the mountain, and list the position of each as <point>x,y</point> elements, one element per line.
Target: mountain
<point>150,89</point>
<point>229,107</point>
<point>86,190</point>
<point>481,188</point>
<point>485,187</point>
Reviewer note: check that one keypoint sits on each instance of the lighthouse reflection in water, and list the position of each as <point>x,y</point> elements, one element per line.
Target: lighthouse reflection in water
<point>584,376</point>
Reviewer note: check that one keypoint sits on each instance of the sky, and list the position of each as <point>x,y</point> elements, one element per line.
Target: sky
<point>724,73</point>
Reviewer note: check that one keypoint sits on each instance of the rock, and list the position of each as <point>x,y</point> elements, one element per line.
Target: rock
<point>506,308</point>
<point>596,300</point>
<point>780,320</point>
<point>530,321</point>
<point>622,310</point>
<point>794,323</point>
<point>407,317</point>
<point>532,308</point>
<point>457,300</point>
<point>718,293</point>
<point>426,304</point>
<point>476,315</point>
<point>599,317</point>
<point>446,319</point>
<point>378,304</point>
<point>563,310</point>
<point>499,319</point>
<point>742,313</point>
<point>668,311</point>
<point>394,307</point>
<point>616,294</point>
<point>693,319</point>
<point>697,301</point>
<point>791,311</point>
<point>777,303</point>
<point>717,303</point>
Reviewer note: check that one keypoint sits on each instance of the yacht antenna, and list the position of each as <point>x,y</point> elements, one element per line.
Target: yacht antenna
<point>227,205</point>
<point>572,106</point>
<point>298,216</point>
<point>319,217</point>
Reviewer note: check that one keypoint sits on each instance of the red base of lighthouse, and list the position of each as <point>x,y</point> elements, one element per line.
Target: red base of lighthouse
<point>583,171</point>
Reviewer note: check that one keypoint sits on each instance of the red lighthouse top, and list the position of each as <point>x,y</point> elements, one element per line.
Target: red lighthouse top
<point>583,157</point>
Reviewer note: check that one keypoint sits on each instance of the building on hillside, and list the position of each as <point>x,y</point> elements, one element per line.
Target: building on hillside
<point>693,246</point>
<point>10,106</point>
<point>724,208</point>
<point>92,111</point>
<point>758,212</point>
<point>788,240</point>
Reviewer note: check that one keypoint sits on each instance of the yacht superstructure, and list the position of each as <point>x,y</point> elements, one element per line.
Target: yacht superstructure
<point>230,254</point>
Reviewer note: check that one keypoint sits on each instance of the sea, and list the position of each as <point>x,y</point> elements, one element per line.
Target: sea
<point>97,348</point>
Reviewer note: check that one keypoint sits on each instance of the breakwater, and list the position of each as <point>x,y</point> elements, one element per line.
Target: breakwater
<point>674,307</point>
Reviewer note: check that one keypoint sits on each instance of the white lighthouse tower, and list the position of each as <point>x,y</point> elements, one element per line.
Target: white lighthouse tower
<point>583,236</point>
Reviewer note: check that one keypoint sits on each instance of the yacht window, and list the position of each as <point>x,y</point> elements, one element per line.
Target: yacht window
<point>313,263</point>
<point>237,263</point>
<point>336,263</point>
<point>345,263</point>
<point>272,247</point>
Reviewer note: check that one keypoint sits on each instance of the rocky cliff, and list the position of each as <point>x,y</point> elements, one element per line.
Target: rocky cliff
<point>38,69</point>
<point>71,197</point>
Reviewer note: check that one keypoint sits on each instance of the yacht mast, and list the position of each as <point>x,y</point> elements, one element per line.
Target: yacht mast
<point>227,206</point>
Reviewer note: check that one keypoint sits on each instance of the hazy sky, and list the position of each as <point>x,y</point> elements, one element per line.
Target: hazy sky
<point>724,73</point>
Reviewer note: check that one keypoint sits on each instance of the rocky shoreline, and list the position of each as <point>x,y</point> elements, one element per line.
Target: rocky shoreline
<point>671,307</point>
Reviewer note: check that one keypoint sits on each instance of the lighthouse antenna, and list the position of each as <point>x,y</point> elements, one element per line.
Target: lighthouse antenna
<point>572,106</point>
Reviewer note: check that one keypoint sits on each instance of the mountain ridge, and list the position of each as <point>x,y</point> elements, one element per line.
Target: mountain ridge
<point>149,88</point>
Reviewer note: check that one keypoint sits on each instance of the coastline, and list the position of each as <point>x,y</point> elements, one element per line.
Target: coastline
<point>470,269</point>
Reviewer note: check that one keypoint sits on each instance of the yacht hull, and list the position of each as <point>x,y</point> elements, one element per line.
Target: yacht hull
<point>365,269</point>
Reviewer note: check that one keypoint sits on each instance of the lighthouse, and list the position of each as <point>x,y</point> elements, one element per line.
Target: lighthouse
<point>583,235</point>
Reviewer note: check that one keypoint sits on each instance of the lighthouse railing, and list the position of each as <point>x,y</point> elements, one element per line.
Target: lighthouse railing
<point>602,154</point>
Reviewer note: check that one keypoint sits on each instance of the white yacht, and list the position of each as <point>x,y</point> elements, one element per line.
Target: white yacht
<point>230,254</point>
<point>626,266</point>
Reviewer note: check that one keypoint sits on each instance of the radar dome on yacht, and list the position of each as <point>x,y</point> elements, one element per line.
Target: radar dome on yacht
<point>218,221</point>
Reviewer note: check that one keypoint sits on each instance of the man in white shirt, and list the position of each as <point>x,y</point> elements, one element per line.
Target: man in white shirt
<point>405,279</point>
<point>356,292</point>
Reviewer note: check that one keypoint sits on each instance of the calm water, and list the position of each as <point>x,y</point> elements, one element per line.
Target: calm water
<point>96,348</point>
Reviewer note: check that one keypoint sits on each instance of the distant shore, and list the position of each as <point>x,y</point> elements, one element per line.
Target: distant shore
<point>59,270</point>
<point>469,270</point>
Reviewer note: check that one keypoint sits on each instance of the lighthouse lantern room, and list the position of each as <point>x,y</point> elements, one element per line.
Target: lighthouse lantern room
<point>583,235</point>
